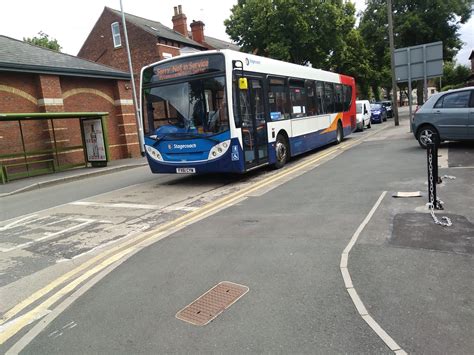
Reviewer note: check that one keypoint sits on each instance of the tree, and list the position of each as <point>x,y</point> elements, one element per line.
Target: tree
<point>298,31</point>
<point>321,33</point>
<point>415,22</point>
<point>373,28</point>
<point>43,40</point>
<point>454,76</point>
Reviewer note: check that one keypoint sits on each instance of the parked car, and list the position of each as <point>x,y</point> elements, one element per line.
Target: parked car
<point>388,106</point>
<point>378,113</point>
<point>446,115</point>
<point>363,114</point>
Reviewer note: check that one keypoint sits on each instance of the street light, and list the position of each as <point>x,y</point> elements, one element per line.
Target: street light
<point>135,101</point>
<point>392,62</point>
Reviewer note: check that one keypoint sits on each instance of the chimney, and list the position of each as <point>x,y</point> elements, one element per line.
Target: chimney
<point>197,28</point>
<point>180,23</point>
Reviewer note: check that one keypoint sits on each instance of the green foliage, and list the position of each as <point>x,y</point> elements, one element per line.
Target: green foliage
<point>43,40</point>
<point>299,31</point>
<point>454,75</point>
<point>323,33</point>
<point>303,31</point>
<point>415,22</point>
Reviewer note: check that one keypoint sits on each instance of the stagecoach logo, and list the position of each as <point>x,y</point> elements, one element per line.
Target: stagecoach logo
<point>181,146</point>
<point>251,61</point>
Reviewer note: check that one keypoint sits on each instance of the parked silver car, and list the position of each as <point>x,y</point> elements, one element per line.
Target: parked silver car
<point>447,115</point>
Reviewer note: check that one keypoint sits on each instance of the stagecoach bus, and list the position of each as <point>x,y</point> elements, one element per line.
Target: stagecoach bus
<point>226,111</point>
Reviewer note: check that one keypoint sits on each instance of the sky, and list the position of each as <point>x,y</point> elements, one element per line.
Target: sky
<point>71,22</point>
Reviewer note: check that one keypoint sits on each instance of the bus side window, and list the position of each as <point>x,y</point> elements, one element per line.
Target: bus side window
<point>320,98</point>
<point>338,98</point>
<point>237,105</point>
<point>329,97</point>
<point>311,107</point>
<point>278,100</point>
<point>298,99</point>
<point>347,97</point>
<point>242,112</point>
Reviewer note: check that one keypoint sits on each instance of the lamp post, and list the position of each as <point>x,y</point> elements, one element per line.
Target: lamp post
<point>135,101</point>
<point>392,62</point>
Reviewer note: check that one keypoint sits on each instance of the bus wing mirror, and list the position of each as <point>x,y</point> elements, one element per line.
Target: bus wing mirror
<point>243,84</point>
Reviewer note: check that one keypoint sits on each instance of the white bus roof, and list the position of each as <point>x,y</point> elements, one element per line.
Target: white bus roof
<point>257,64</point>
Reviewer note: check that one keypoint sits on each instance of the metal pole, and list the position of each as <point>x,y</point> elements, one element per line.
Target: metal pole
<point>425,78</point>
<point>410,101</point>
<point>392,63</point>
<point>55,146</point>
<point>135,101</point>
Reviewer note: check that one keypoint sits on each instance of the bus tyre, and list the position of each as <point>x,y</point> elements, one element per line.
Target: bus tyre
<point>281,151</point>
<point>339,133</point>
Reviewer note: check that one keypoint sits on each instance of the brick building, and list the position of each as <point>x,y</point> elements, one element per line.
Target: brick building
<point>35,80</point>
<point>150,41</point>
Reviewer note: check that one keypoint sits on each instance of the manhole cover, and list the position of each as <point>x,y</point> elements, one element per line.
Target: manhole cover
<point>212,303</point>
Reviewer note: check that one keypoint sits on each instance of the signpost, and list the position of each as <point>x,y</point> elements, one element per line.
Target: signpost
<point>420,62</point>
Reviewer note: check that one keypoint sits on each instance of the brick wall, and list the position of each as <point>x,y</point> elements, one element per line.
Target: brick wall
<point>99,45</point>
<point>30,93</point>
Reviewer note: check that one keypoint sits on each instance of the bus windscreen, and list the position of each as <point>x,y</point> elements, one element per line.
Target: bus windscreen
<point>194,106</point>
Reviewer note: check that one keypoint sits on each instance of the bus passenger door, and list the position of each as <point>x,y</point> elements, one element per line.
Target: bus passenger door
<point>254,125</point>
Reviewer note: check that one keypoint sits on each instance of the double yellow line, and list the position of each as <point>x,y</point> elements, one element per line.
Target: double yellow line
<point>115,254</point>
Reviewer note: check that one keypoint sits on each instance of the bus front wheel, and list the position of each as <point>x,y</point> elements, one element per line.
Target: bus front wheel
<point>281,151</point>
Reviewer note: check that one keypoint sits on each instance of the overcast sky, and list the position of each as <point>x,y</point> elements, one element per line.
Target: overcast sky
<point>71,22</point>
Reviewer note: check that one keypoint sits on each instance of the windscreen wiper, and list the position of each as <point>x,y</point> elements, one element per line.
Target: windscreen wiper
<point>157,139</point>
<point>191,135</point>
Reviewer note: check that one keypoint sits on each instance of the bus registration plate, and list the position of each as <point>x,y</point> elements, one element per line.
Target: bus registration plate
<point>185,170</point>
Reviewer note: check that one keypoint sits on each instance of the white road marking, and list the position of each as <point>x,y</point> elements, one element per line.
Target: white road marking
<point>180,208</point>
<point>15,223</point>
<point>40,315</point>
<point>51,235</point>
<point>115,205</point>
<point>53,333</point>
<point>70,325</point>
<point>352,291</point>
<point>101,246</point>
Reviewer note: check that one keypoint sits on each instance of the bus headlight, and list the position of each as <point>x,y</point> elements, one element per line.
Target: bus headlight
<point>218,150</point>
<point>153,153</point>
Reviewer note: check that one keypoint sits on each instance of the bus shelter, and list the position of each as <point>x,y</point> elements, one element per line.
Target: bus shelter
<point>40,143</point>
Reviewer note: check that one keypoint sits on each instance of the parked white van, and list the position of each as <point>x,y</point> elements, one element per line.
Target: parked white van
<point>363,114</point>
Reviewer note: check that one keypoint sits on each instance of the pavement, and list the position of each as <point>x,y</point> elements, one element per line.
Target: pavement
<point>37,182</point>
<point>413,276</point>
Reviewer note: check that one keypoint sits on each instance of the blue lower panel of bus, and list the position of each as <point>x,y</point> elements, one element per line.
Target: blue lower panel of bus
<point>307,142</point>
<point>231,161</point>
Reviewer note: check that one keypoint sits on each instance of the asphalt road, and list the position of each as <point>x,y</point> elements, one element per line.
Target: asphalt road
<point>286,245</point>
<point>37,200</point>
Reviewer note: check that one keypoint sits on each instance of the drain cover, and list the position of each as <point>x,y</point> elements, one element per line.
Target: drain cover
<point>212,303</point>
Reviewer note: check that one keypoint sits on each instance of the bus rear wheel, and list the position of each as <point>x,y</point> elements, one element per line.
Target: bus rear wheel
<point>339,133</point>
<point>281,151</point>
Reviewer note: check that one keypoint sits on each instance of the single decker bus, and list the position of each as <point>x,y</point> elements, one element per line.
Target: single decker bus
<point>227,111</point>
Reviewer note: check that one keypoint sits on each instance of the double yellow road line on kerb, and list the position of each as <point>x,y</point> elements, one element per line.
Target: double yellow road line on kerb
<point>100,262</point>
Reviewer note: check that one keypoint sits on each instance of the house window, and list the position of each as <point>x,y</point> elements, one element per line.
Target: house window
<point>116,35</point>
